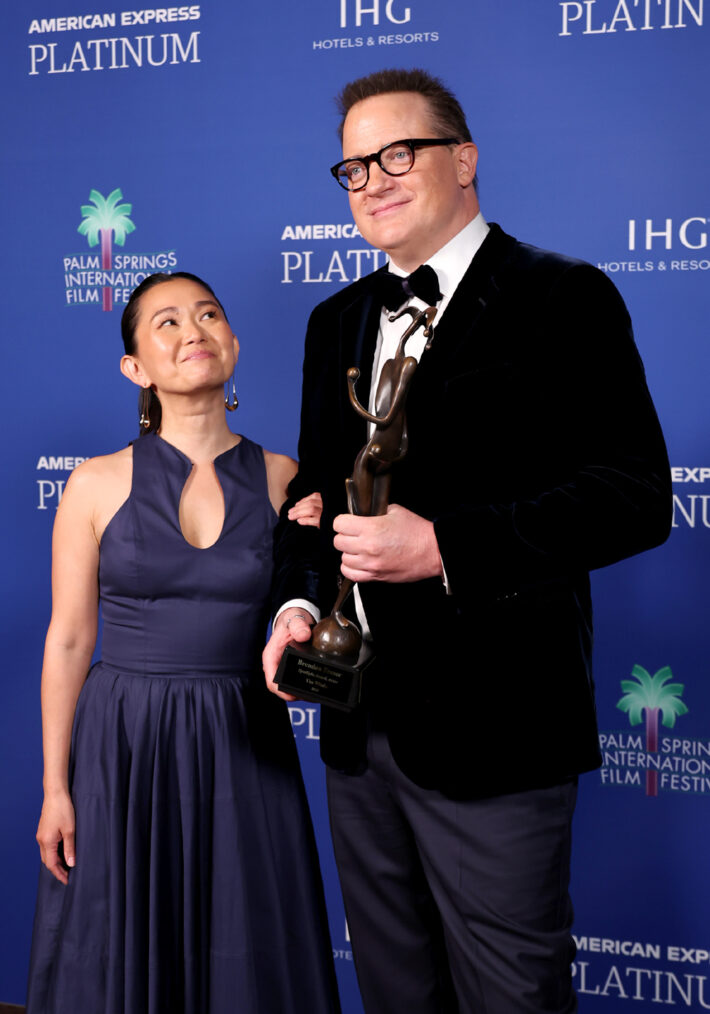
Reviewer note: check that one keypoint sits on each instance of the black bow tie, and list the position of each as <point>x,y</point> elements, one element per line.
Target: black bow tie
<point>422,283</point>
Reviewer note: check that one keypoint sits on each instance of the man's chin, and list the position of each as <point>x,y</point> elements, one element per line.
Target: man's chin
<point>391,242</point>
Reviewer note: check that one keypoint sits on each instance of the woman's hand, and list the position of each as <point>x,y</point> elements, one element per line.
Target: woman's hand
<point>292,624</point>
<point>57,824</point>
<point>308,510</point>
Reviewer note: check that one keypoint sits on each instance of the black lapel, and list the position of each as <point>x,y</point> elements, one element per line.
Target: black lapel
<point>464,320</point>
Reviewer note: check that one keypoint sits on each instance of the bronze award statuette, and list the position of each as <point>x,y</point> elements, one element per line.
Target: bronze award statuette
<point>329,669</point>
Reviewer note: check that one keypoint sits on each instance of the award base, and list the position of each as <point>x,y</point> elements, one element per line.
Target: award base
<point>310,676</point>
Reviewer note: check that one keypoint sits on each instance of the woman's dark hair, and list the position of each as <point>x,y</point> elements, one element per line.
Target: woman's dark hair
<point>129,322</point>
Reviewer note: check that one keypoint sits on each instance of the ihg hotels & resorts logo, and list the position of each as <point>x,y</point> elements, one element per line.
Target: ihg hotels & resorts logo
<point>655,760</point>
<point>105,278</point>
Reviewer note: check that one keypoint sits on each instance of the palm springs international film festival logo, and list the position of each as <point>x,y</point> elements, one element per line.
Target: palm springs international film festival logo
<point>656,761</point>
<point>104,277</point>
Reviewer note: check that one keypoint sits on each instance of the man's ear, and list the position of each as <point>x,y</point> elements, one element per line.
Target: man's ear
<point>466,161</point>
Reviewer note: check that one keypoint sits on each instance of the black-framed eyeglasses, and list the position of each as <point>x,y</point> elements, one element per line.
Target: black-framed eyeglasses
<point>395,159</point>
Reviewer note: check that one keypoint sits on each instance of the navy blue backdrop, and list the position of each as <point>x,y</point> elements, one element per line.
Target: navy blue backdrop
<point>198,137</point>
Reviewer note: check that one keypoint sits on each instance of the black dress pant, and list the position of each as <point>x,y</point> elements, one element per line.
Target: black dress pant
<point>454,907</point>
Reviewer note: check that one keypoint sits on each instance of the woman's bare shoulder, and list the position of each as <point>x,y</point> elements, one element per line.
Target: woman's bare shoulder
<point>280,465</point>
<point>99,486</point>
<point>103,466</point>
<point>280,469</point>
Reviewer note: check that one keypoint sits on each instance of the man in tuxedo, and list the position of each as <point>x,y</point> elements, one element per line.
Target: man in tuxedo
<point>535,455</point>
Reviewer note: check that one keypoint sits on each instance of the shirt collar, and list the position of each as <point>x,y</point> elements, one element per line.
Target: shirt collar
<point>453,259</point>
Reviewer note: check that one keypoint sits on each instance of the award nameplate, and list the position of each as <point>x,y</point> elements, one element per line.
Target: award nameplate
<point>325,679</point>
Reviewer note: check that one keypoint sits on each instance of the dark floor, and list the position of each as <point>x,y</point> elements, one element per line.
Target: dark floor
<point>11,1008</point>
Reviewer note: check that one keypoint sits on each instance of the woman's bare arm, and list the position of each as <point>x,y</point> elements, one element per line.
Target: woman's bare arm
<point>94,491</point>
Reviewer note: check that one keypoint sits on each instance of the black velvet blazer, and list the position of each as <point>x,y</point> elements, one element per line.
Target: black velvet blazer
<point>535,449</point>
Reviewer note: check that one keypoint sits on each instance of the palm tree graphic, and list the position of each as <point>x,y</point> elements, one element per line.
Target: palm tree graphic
<point>652,695</point>
<point>102,219</point>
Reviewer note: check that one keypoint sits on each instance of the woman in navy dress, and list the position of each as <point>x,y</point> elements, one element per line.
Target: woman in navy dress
<point>180,873</point>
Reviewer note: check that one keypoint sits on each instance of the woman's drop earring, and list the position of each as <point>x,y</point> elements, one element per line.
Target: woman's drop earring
<point>144,407</point>
<point>230,406</point>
